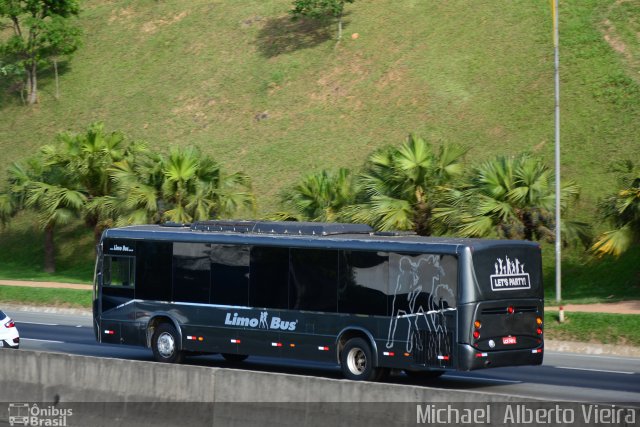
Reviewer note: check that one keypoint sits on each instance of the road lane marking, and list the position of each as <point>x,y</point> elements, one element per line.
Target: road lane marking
<point>37,323</point>
<point>599,356</point>
<point>595,370</point>
<point>34,339</point>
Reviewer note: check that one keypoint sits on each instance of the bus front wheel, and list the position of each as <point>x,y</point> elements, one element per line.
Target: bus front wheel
<point>356,361</point>
<point>165,343</point>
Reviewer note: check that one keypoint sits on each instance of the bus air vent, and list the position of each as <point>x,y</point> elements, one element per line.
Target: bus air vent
<point>505,310</point>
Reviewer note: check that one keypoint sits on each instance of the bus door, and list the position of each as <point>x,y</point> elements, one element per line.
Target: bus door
<point>117,322</point>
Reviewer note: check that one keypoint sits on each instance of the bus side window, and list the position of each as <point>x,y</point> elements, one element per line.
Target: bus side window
<point>313,280</point>
<point>191,272</point>
<point>363,282</point>
<point>269,277</point>
<point>229,274</point>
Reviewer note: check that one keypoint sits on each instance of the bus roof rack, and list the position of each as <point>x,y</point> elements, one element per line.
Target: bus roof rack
<point>395,233</point>
<point>281,227</point>
<point>174,224</point>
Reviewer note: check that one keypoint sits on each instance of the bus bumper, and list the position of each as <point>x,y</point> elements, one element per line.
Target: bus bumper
<point>470,358</point>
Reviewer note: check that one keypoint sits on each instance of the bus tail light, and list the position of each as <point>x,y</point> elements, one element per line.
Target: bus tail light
<point>510,309</point>
<point>477,325</point>
<point>539,331</point>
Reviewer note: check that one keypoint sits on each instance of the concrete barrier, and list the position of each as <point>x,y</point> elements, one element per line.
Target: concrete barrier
<point>111,392</point>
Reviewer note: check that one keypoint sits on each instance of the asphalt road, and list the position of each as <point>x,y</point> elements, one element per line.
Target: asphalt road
<point>563,376</point>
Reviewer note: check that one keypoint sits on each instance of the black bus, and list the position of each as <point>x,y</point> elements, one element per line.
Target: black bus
<point>319,291</point>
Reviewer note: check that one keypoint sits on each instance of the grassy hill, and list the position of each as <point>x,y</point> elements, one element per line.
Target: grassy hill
<point>277,99</point>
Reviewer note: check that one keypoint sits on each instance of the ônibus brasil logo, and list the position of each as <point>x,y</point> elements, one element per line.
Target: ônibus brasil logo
<point>262,322</point>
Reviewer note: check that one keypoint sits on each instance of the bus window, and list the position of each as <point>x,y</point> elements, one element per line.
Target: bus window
<point>313,280</point>
<point>448,281</point>
<point>363,283</point>
<point>414,283</point>
<point>191,271</point>
<point>229,275</point>
<point>153,270</point>
<point>269,279</point>
<point>118,271</point>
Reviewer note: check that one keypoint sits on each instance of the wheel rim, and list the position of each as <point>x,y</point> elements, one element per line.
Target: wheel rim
<point>357,361</point>
<point>166,344</point>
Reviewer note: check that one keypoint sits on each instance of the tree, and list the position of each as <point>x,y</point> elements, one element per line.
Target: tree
<point>321,9</point>
<point>41,31</point>
<point>399,187</point>
<point>510,197</point>
<point>319,196</point>
<point>183,187</point>
<point>49,192</point>
<point>12,198</point>
<point>622,210</point>
<point>85,158</point>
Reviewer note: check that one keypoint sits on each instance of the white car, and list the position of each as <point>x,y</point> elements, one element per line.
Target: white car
<point>9,336</point>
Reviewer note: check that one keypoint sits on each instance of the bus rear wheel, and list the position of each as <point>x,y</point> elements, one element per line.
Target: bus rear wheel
<point>356,361</point>
<point>165,344</point>
<point>229,357</point>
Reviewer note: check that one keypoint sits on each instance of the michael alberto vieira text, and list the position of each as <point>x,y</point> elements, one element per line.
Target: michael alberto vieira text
<point>521,414</point>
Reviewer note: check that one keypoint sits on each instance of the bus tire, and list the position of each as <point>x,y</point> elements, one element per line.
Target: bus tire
<point>165,344</point>
<point>424,375</point>
<point>356,361</point>
<point>235,358</point>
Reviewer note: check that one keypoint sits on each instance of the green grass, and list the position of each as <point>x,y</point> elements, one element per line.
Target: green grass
<point>197,73</point>
<point>605,328</point>
<point>22,249</point>
<point>72,298</point>
<point>588,280</point>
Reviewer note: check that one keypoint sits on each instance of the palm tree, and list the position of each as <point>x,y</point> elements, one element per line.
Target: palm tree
<point>511,197</point>
<point>196,188</point>
<point>622,209</point>
<point>7,208</point>
<point>319,196</point>
<point>12,198</point>
<point>137,182</point>
<point>400,187</point>
<point>85,159</point>
<point>48,191</point>
<point>183,187</point>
